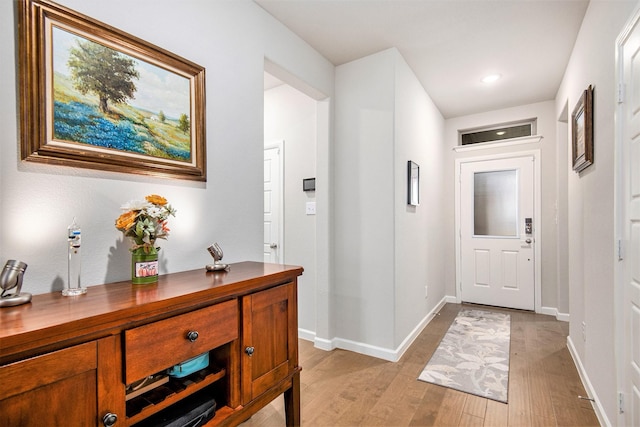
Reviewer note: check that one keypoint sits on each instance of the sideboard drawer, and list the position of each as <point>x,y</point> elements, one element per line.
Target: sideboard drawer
<point>162,344</point>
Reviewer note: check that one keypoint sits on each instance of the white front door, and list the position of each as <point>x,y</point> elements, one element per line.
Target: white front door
<point>273,205</point>
<point>497,232</point>
<point>629,140</point>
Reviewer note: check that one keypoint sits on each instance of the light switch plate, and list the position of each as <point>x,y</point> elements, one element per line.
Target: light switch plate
<point>311,208</point>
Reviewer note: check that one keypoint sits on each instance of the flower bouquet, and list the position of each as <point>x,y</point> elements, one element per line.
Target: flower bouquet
<point>144,222</point>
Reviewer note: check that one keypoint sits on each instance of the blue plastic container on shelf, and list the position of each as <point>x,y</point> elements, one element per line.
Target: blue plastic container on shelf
<point>190,366</point>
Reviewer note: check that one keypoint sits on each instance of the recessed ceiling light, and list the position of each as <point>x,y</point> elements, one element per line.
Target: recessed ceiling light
<point>500,133</point>
<point>491,78</point>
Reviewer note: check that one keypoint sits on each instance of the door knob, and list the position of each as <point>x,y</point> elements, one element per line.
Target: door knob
<point>249,351</point>
<point>273,245</point>
<point>528,241</point>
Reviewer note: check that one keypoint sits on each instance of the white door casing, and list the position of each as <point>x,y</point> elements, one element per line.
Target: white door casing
<point>496,264</point>
<point>273,242</point>
<point>628,193</point>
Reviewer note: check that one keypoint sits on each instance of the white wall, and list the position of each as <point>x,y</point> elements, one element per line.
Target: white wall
<point>592,241</point>
<point>385,252</point>
<point>231,40</point>
<point>546,127</point>
<point>364,200</point>
<point>418,136</point>
<point>290,115</point>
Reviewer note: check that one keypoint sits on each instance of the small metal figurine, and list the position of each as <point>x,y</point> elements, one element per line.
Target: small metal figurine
<point>11,284</point>
<point>216,252</point>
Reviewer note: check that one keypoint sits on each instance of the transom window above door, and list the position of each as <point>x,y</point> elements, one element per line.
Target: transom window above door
<point>497,132</point>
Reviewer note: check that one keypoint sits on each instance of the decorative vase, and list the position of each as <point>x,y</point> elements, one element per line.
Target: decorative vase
<point>144,266</point>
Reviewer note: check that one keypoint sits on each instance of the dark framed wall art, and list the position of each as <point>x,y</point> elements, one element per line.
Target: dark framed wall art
<point>582,131</point>
<point>95,97</point>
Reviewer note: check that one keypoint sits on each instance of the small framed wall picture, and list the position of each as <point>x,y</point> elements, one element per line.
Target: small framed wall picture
<point>413,183</point>
<point>309,184</point>
<point>582,131</point>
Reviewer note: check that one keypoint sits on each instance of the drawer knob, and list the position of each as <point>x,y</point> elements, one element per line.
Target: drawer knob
<point>249,351</point>
<point>109,419</point>
<point>192,335</point>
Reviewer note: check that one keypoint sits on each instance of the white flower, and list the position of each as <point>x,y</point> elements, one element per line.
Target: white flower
<point>155,212</point>
<point>135,205</point>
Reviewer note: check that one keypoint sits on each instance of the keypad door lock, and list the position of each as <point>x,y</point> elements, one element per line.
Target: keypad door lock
<point>528,226</point>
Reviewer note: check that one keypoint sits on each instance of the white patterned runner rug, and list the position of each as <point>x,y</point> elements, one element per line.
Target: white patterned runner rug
<point>473,356</point>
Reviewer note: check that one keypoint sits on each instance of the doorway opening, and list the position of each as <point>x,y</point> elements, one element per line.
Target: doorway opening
<point>298,115</point>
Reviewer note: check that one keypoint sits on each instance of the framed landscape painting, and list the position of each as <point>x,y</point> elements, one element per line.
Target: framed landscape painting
<point>582,131</point>
<point>96,97</point>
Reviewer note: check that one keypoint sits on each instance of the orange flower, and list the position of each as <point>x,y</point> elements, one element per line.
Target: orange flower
<point>145,221</point>
<point>126,220</point>
<point>156,200</point>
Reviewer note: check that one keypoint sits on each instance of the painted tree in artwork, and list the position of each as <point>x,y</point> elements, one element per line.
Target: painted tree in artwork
<point>183,123</point>
<point>102,71</point>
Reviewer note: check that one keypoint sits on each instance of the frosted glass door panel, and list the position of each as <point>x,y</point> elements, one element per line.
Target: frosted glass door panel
<point>495,203</point>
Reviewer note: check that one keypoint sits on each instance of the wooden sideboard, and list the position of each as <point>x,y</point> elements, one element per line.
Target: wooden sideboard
<point>69,360</point>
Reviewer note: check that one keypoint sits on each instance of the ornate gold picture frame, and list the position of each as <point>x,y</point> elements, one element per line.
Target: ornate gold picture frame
<point>95,97</point>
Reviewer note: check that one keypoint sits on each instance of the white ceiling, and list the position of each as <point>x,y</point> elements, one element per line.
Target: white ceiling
<point>449,44</point>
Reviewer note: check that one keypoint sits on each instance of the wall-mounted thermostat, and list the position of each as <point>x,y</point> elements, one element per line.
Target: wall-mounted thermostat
<point>309,184</point>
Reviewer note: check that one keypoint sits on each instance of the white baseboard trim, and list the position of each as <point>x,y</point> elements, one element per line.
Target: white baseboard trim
<point>323,344</point>
<point>371,350</point>
<point>597,406</point>
<point>366,349</point>
<point>552,311</point>
<point>406,343</point>
<point>306,334</point>
<point>451,299</point>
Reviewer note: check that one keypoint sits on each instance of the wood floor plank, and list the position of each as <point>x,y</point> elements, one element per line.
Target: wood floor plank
<point>568,408</point>
<point>475,406</point>
<point>342,388</point>
<point>427,412</point>
<point>400,401</point>
<point>519,402</point>
<point>451,408</point>
<point>468,420</point>
<point>540,396</point>
<point>363,392</point>
<point>497,414</point>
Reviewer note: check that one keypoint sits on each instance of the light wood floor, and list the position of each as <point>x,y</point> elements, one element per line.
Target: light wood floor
<point>341,388</point>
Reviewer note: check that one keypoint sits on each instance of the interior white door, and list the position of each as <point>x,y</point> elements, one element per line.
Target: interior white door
<point>272,205</point>
<point>496,232</point>
<point>630,200</point>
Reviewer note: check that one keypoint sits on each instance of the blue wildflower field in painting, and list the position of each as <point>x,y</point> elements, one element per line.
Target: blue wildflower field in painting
<point>78,122</point>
